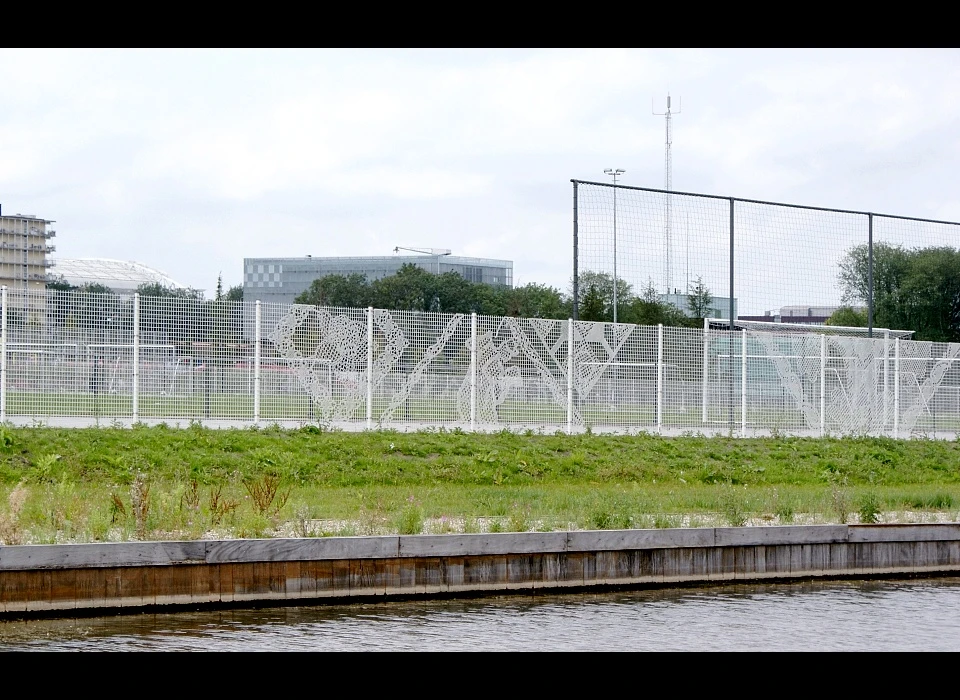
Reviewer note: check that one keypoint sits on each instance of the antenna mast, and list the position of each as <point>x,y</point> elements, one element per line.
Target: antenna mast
<point>668,185</point>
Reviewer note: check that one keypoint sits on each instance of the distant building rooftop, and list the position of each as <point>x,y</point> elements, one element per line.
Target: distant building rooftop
<point>118,275</point>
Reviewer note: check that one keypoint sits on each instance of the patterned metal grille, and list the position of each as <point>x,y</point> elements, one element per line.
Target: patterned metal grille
<point>74,359</point>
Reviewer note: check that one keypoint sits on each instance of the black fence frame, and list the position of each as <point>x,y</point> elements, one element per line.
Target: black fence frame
<point>732,202</point>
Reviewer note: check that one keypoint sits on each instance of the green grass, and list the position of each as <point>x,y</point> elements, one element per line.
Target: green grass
<point>219,405</point>
<point>78,484</point>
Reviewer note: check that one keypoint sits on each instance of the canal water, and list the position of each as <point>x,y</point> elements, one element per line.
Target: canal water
<point>916,615</point>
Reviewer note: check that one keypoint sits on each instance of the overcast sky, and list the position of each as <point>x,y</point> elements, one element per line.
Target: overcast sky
<point>189,161</point>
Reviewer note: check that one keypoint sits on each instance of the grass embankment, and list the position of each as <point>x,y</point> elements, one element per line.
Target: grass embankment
<point>156,483</point>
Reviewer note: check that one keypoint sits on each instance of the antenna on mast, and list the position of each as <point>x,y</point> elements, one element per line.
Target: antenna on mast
<point>668,185</point>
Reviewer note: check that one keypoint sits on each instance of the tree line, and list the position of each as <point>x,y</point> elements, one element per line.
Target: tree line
<point>412,288</point>
<point>914,289</point>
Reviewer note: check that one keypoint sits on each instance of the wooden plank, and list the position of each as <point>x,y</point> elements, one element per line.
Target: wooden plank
<point>174,585</point>
<point>429,576</point>
<point>699,564</point>
<point>91,590</point>
<point>367,577</point>
<point>391,576</point>
<point>677,565</point>
<point>482,544</point>
<point>728,563</point>
<point>101,554</point>
<point>453,574</point>
<point>340,575</point>
<point>651,564</point>
<point>745,562</point>
<point>293,579</point>
<point>203,584</point>
<point>33,589</point>
<point>837,559</point>
<point>606,566</point>
<point>63,588</point>
<point>571,569</point>
<point>316,579</point>
<point>129,592</point>
<point>485,573</point>
<point>407,574</point>
<point>518,572</point>
<point>227,589</point>
<point>550,571</point>
<point>896,532</point>
<point>307,549</point>
<point>760,561</point>
<point>780,535</point>
<point>589,560</point>
<point>609,540</point>
<point>244,583</point>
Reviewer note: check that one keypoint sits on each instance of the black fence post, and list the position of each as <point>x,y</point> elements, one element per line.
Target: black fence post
<point>576,282</point>
<point>730,337</point>
<point>869,275</point>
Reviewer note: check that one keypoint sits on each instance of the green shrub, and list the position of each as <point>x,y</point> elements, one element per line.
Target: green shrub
<point>869,508</point>
<point>410,521</point>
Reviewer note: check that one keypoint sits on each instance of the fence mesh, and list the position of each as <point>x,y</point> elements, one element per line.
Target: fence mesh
<point>780,260</point>
<point>78,359</point>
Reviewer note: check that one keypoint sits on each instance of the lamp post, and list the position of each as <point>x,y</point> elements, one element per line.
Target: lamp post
<point>432,252</point>
<point>614,173</point>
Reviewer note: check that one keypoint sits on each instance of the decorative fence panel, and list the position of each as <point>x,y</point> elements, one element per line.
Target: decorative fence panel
<point>77,359</point>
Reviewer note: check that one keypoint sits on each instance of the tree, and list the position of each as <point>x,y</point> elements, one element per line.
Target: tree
<point>914,289</point>
<point>602,295</point>
<point>699,300</point>
<point>534,300</point>
<point>60,284</point>
<point>160,291</point>
<point>593,305</point>
<point>406,290</point>
<point>847,316</point>
<point>235,293</point>
<point>92,306</point>
<point>350,291</point>
<point>649,310</point>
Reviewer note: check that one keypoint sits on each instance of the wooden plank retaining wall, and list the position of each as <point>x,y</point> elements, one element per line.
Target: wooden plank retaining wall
<point>43,579</point>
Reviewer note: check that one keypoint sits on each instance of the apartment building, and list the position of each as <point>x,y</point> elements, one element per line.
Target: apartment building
<point>24,244</point>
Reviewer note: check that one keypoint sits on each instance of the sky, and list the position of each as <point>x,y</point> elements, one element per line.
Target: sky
<point>191,160</point>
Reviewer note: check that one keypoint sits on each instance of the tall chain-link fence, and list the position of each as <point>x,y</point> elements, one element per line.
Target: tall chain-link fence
<point>77,359</point>
<point>765,260</point>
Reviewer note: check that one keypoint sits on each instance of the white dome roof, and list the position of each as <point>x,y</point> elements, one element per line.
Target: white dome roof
<point>119,275</point>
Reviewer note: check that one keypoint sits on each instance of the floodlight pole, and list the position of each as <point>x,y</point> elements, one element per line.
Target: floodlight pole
<point>614,173</point>
<point>424,252</point>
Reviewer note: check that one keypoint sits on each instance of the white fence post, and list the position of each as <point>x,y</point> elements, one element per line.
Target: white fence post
<point>886,377</point>
<point>569,376</point>
<point>823,384</point>
<point>256,363</point>
<point>743,382</point>
<point>3,355</point>
<point>704,373</point>
<point>896,388</point>
<point>473,371</point>
<point>369,367</point>
<point>136,357</point>
<point>659,377</point>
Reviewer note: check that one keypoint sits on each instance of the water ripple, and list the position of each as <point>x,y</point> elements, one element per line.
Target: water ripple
<point>921,615</point>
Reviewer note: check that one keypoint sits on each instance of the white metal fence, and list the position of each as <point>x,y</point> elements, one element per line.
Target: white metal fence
<point>77,359</point>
